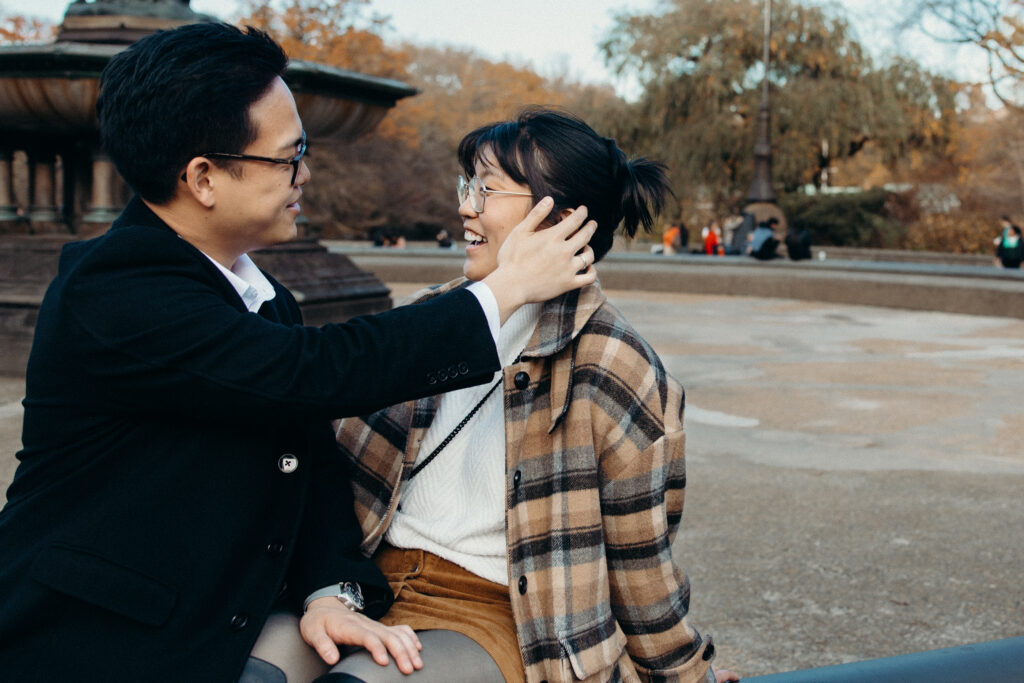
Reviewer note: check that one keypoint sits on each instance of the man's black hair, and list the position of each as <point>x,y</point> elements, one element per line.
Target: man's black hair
<point>177,94</point>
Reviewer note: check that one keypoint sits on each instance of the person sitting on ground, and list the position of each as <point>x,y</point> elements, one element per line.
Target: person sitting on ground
<point>763,243</point>
<point>527,528</point>
<point>444,240</point>
<point>712,239</point>
<point>798,243</point>
<point>672,239</point>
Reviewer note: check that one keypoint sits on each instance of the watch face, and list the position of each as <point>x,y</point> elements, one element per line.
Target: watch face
<point>351,595</point>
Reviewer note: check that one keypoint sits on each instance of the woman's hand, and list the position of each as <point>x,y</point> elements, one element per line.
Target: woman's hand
<point>724,675</point>
<point>536,265</point>
<point>327,622</point>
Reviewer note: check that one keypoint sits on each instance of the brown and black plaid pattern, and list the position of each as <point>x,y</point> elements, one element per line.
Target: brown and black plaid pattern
<point>595,480</point>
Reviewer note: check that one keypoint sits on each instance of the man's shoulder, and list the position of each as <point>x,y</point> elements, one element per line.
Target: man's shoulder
<point>133,243</point>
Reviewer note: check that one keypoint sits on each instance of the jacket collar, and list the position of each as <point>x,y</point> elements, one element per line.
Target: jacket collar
<point>137,213</point>
<point>562,319</point>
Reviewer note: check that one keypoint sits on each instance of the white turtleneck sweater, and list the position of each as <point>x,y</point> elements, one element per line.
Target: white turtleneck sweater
<point>455,507</point>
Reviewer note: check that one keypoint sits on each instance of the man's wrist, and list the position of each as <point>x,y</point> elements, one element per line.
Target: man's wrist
<point>507,293</point>
<point>489,304</point>
<point>348,593</point>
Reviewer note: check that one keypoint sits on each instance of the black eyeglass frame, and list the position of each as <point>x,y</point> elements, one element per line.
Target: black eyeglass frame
<point>293,162</point>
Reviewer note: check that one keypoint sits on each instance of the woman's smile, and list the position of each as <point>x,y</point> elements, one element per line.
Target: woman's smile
<point>473,238</point>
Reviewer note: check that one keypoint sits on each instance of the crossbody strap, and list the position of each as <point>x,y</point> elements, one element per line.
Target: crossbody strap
<point>458,428</point>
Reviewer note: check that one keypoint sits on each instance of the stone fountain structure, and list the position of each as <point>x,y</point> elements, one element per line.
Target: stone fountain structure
<point>56,185</point>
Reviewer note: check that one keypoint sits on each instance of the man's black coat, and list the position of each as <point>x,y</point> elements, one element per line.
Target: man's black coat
<point>151,525</point>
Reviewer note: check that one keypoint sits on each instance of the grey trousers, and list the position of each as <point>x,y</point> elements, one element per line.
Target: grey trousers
<point>281,656</point>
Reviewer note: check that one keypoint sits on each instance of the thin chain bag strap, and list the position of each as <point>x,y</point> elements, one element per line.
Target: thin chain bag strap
<point>458,428</point>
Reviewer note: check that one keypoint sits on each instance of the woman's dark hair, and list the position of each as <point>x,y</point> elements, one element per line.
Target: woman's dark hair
<point>176,94</point>
<point>556,154</point>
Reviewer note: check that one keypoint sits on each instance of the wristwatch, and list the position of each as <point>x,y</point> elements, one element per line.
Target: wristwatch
<point>348,592</point>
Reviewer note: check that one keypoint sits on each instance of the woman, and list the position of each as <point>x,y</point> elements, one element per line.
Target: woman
<point>1009,245</point>
<point>531,520</point>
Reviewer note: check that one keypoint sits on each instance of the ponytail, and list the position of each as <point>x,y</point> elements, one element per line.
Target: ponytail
<point>642,187</point>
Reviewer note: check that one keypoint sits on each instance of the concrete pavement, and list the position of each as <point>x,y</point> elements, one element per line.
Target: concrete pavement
<point>854,474</point>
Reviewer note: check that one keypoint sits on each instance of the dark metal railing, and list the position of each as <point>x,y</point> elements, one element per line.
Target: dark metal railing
<point>994,660</point>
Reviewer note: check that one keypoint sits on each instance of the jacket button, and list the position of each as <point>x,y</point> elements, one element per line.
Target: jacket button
<point>522,585</point>
<point>463,368</point>
<point>709,652</point>
<point>275,548</point>
<point>522,380</point>
<point>431,378</point>
<point>287,463</point>
<point>239,621</point>
<point>453,372</point>
<point>442,375</point>
<point>516,478</point>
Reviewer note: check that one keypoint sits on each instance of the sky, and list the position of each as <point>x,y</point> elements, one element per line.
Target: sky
<point>561,36</point>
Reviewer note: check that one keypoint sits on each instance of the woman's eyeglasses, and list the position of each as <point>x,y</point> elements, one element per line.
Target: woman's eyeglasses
<point>476,192</point>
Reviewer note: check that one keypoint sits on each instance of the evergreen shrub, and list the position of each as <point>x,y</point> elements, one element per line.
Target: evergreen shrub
<point>860,219</point>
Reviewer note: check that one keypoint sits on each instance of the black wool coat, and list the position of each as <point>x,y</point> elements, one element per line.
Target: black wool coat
<point>155,516</point>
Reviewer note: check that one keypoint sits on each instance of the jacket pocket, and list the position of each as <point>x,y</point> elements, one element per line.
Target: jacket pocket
<point>98,581</point>
<point>594,648</point>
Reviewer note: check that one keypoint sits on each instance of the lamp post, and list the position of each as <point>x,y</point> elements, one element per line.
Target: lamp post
<point>761,189</point>
<point>761,197</point>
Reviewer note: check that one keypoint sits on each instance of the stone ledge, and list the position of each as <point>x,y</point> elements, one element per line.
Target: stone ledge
<point>975,290</point>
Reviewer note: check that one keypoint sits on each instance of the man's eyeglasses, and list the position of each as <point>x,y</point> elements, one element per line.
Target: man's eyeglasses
<point>293,162</point>
<point>477,192</point>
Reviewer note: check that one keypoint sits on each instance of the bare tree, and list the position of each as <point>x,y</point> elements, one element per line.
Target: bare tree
<point>995,26</point>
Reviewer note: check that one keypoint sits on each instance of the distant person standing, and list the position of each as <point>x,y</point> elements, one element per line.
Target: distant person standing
<point>730,225</point>
<point>742,231</point>
<point>1009,247</point>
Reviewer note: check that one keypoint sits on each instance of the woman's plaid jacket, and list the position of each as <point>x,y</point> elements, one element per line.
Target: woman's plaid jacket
<point>594,496</point>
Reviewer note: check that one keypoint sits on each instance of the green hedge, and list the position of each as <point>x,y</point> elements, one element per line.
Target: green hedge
<point>845,220</point>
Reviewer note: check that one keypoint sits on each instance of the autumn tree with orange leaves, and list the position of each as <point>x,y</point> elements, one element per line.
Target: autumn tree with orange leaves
<point>339,33</point>
<point>699,64</point>
<point>403,174</point>
<point>18,28</point>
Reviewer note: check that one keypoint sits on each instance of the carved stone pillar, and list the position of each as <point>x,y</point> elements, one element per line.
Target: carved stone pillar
<point>44,213</point>
<point>102,208</point>
<point>9,217</point>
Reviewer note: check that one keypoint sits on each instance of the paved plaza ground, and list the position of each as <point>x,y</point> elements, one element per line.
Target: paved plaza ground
<point>855,474</point>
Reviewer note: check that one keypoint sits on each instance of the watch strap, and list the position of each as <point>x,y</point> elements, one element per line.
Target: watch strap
<point>336,590</point>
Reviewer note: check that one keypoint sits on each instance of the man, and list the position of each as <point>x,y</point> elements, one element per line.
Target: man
<point>178,478</point>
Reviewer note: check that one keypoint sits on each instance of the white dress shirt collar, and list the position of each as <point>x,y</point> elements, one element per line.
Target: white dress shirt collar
<point>250,283</point>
